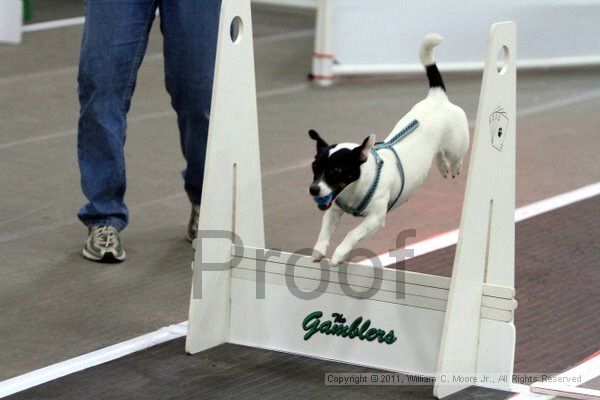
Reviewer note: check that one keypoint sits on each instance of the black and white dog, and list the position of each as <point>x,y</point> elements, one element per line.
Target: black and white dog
<point>372,178</point>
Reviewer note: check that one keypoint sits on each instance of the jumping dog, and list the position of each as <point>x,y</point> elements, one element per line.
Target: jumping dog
<point>370,179</point>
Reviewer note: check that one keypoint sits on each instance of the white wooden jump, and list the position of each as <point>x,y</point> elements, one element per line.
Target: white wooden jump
<point>11,21</point>
<point>418,324</point>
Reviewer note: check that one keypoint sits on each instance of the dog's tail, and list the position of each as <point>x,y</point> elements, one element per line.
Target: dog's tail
<point>430,41</point>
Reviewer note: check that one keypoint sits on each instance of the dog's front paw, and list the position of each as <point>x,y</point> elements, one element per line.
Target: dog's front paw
<point>319,252</point>
<point>317,256</point>
<point>339,256</point>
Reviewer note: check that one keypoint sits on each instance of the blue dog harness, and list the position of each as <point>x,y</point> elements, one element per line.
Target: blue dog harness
<point>362,205</point>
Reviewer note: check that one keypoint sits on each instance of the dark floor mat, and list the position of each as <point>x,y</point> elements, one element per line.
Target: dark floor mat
<point>557,280</point>
<point>225,372</point>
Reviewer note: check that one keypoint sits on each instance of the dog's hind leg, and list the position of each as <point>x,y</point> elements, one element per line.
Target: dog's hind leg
<point>454,156</point>
<point>456,168</point>
<point>456,143</point>
<point>442,164</point>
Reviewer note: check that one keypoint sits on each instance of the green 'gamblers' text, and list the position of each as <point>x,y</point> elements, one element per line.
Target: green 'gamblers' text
<point>358,329</point>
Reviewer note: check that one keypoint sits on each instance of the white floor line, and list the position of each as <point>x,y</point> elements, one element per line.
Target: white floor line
<point>276,37</point>
<point>142,117</point>
<point>56,24</point>
<point>72,132</point>
<point>531,396</point>
<point>287,168</point>
<point>59,23</point>
<point>567,392</point>
<point>11,236</point>
<point>72,70</point>
<point>162,335</point>
<point>559,103</point>
<point>284,90</point>
<point>6,237</point>
<point>37,75</point>
<point>584,372</point>
<point>524,393</point>
<point>55,371</point>
<point>556,202</point>
<point>67,22</point>
<point>450,238</point>
<point>540,108</point>
<point>38,229</point>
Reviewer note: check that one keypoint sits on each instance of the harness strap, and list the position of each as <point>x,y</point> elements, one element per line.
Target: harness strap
<point>401,172</point>
<point>360,208</point>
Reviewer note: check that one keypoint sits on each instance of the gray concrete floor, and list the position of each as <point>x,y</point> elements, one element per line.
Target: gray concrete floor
<point>54,305</point>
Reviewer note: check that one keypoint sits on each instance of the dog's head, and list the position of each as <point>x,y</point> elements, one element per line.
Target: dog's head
<point>335,167</point>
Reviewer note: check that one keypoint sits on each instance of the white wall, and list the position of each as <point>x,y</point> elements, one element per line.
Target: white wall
<point>387,33</point>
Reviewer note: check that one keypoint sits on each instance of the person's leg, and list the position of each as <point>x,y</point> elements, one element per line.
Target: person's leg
<point>190,29</point>
<point>114,41</point>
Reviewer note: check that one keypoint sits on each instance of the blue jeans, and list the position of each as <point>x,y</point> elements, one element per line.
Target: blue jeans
<point>113,46</point>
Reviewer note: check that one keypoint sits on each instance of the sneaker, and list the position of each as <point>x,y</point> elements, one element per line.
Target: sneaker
<point>192,230</point>
<point>104,245</point>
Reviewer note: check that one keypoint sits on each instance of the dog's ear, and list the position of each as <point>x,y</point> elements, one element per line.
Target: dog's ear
<point>314,135</point>
<point>364,149</point>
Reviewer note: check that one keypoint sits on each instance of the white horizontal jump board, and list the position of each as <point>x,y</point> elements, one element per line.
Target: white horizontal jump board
<point>310,278</point>
<point>310,285</point>
<point>354,283</point>
<point>388,274</point>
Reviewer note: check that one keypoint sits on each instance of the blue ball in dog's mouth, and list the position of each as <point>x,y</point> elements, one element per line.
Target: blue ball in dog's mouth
<point>324,202</point>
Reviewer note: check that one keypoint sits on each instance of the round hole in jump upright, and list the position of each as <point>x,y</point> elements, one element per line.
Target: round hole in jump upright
<point>236,29</point>
<point>503,60</point>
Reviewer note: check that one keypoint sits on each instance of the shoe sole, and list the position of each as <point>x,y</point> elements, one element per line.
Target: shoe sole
<point>108,258</point>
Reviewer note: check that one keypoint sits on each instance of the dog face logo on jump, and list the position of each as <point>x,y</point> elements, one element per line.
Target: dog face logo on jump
<point>498,126</point>
<point>312,324</point>
<point>335,167</point>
